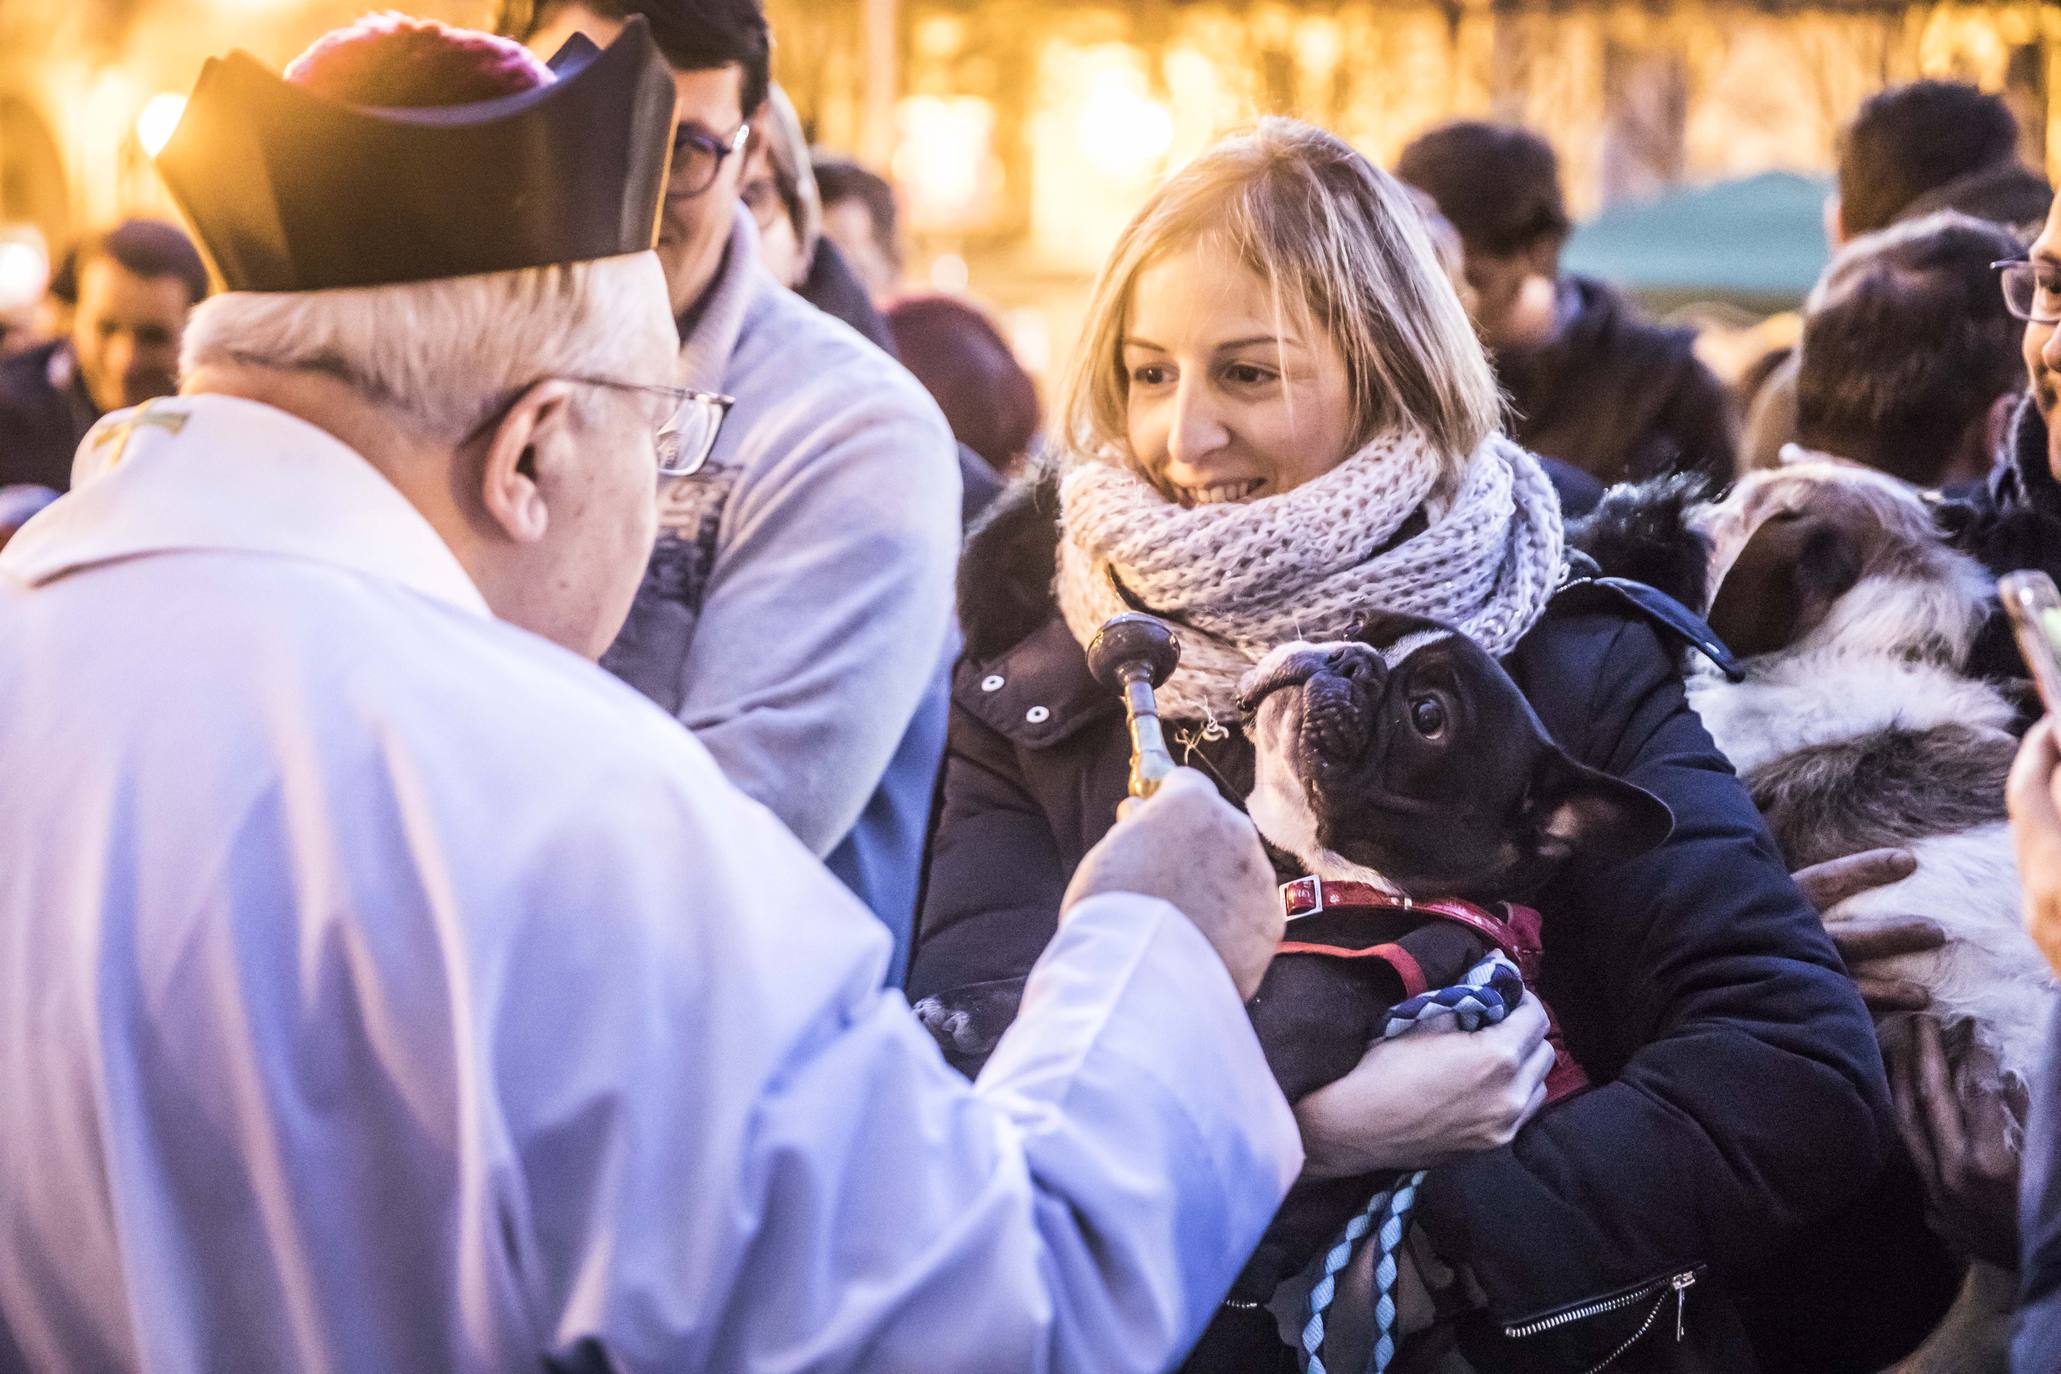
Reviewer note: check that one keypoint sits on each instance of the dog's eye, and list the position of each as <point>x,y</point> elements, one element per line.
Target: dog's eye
<point>1428,716</point>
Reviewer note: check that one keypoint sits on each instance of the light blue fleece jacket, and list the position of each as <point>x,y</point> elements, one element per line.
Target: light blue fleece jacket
<point>797,614</point>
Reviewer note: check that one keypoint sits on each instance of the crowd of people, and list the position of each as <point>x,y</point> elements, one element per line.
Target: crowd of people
<point>385,985</point>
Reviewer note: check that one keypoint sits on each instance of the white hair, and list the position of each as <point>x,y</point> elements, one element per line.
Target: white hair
<point>444,354</point>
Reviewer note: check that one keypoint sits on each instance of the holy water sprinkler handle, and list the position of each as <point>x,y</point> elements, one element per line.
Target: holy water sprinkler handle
<point>1132,654</point>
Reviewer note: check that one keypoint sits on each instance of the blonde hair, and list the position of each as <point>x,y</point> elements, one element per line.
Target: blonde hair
<point>1339,243</point>
<point>442,354</point>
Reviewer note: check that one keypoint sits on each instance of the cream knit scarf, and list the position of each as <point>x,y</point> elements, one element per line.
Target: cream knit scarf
<point>1242,577</point>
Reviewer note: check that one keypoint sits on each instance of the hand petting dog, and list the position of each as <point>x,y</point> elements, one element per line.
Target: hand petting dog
<point>1871,940</point>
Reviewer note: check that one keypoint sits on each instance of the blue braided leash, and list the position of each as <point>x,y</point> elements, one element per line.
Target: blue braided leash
<point>1489,992</point>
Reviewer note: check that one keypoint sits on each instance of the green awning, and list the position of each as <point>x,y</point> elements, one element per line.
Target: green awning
<point>1758,242</point>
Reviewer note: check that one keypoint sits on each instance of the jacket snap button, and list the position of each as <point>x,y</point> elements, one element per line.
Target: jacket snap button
<point>1037,715</point>
<point>991,683</point>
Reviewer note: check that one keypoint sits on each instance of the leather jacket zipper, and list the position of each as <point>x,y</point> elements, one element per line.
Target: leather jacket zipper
<point>1658,1289</point>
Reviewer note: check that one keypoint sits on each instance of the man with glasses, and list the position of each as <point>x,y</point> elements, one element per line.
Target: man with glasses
<point>384,987</point>
<point>2013,519</point>
<point>797,611</point>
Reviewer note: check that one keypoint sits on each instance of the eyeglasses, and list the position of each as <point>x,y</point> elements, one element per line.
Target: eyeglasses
<point>764,198</point>
<point>684,440</point>
<point>694,418</point>
<point>2030,296</point>
<point>697,157</point>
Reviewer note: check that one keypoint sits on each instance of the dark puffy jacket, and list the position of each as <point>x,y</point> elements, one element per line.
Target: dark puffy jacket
<point>833,288</point>
<point>2010,521</point>
<point>44,414</point>
<point>1742,1095</point>
<point>1618,397</point>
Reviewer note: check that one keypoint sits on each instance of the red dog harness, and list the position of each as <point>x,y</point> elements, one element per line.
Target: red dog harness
<point>1516,931</point>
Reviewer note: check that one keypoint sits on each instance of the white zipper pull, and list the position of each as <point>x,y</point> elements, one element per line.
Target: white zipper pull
<point>1682,1283</point>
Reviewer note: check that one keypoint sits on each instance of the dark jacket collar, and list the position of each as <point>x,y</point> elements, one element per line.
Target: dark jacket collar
<point>1006,569</point>
<point>1023,674</point>
<point>2024,481</point>
<point>1590,317</point>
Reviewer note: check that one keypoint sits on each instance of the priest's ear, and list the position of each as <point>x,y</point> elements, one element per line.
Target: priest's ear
<point>531,444</point>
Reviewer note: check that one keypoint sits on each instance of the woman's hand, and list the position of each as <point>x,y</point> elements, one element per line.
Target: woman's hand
<point>1422,1098</point>
<point>2036,831</point>
<point>1866,940</point>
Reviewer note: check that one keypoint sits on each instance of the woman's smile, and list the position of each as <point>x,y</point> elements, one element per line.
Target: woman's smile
<point>1226,397</point>
<point>1217,493</point>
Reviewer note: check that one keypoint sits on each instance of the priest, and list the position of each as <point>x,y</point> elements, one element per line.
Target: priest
<point>383,986</point>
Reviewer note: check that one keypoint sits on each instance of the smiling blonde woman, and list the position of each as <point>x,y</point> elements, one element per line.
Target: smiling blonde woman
<point>1278,382</point>
<point>1278,421</point>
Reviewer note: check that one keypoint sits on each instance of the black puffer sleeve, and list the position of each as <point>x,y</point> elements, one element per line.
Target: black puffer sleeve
<point>991,901</point>
<point>1742,1094</point>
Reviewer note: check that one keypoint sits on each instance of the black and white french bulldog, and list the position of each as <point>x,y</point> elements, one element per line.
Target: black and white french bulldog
<point>1406,758</point>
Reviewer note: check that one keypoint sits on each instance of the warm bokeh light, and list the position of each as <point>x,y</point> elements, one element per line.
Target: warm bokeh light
<point>160,115</point>
<point>944,161</point>
<point>1123,132</point>
<point>24,268</point>
<point>949,273</point>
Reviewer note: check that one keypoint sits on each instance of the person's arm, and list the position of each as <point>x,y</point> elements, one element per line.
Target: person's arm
<point>1752,1098</point>
<point>1865,943</point>
<point>828,607</point>
<point>728,1150</point>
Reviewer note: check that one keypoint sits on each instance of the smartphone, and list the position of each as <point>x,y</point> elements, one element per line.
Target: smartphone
<point>2034,606</point>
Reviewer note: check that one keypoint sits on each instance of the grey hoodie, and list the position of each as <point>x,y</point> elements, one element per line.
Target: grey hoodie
<point>798,607</point>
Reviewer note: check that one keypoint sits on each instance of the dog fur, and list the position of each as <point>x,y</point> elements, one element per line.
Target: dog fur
<point>1854,726</point>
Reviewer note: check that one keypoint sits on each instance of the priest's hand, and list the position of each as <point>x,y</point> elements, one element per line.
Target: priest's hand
<point>1188,845</point>
<point>2036,831</point>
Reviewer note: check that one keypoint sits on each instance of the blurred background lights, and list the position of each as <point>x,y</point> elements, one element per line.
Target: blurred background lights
<point>24,267</point>
<point>1123,132</point>
<point>949,273</point>
<point>944,160</point>
<point>160,115</point>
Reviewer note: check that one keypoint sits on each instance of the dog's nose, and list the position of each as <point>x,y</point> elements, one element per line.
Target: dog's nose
<point>1354,663</point>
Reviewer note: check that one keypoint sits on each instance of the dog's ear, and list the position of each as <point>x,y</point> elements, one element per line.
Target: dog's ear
<point>1784,583</point>
<point>1576,809</point>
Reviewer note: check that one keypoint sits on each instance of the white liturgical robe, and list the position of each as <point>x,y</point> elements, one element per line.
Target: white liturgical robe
<point>384,988</point>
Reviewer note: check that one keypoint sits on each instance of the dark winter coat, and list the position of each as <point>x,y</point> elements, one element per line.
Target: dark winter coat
<point>1742,1093</point>
<point>2015,522</point>
<point>833,288</point>
<point>2009,522</point>
<point>44,413</point>
<point>1618,397</point>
